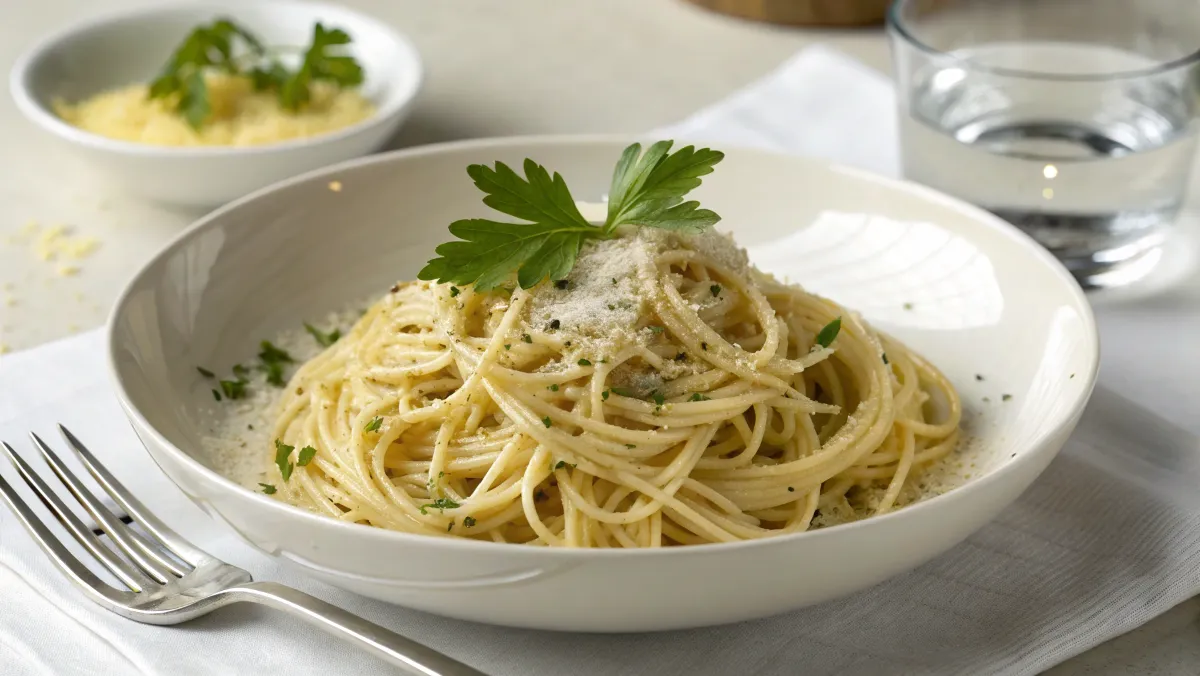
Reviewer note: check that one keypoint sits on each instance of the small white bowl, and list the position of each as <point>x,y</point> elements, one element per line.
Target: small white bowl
<point>985,298</point>
<point>114,50</point>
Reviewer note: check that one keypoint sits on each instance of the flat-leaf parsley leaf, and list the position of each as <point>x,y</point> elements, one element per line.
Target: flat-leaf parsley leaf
<point>647,190</point>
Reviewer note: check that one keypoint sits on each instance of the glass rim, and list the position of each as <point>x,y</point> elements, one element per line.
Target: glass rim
<point>897,25</point>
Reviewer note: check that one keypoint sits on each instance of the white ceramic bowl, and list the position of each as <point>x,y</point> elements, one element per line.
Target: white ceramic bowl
<point>985,300</point>
<point>118,49</point>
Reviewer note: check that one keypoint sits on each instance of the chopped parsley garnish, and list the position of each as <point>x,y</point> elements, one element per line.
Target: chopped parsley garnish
<point>269,489</point>
<point>658,398</point>
<point>508,346</point>
<point>656,329</point>
<point>323,339</point>
<point>554,324</point>
<point>630,445</point>
<point>306,455</point>
<point>241,372</point>
<point>527,338</point>
<point>233,389</point>
<point>205,372</point>
<point>681,356</point>
<point>563,464</point>
<point>469,521</point>
<point>210,47</point>
<point>625,392</point>
<point>1005,397</point>
<point>698,397</point>
<point>272,360</point>
<point>715,289</point>
<point>829,333</point>
<point>441,504</point>
<point>604,395</point>
<point>374,425</point>
<point>268,352</point>
<point>454,291</point>
<point>553,388</point>
<point>283,454</point>
<point>216,395</point>
<point>547,422</point>
<point>885,357</point>
<point>704,346</point>
<point>450,526</point>
<point>561,284</point>
<point>584,362</point>
<point>647,190</point>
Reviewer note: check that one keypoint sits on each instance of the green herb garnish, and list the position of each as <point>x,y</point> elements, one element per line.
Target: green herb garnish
<point>647,190</point>
<point>269,489</point>
<point>454,291</point>
<point>305,456</point>
<point>440,504</point>
<point>553,388</point>
<point>469,521</point>
<point>584,362</point>
<point>233,389</point>
<point>656,329</point>
<point>271,360</point>
<point>205,372</point>
<point>283,454</point>
<point>547,422</point>
<point>829,332</point>
<point>527,338</point>
<point>210,47</point>
<point>320,63</point>
<point>216,395</point>
<point>715,289</point>
<point>323,339</point>
<point>625,392</point>
<point>698,397</point>
<point>658,398</point>
<point>374,425</point>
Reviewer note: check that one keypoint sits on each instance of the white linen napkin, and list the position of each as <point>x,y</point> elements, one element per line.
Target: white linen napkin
<point>1106,539</point>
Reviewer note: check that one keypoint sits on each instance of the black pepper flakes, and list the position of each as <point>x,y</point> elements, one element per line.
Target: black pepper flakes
<point>554,324</point>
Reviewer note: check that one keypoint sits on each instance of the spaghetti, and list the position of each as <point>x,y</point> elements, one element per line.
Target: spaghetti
<point>665,393</point>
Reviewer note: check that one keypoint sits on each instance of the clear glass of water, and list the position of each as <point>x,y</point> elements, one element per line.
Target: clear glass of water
<point>1074,120</point>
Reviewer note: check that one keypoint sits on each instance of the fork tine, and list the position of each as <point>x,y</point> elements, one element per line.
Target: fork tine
<point>60,555</point>
<point>154,564</point>
<point>128,575</point>
<point>135,509</point>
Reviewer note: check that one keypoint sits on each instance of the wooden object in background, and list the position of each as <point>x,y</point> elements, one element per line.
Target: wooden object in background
<point>803,12</point>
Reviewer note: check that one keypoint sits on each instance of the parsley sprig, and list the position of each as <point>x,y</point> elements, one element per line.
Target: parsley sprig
<point>647,190</point>
<point>212,47</point>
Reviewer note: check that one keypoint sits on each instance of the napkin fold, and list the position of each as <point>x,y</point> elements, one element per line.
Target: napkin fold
<point>1106,539</point>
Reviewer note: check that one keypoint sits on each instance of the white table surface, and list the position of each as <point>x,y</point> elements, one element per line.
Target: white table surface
<point>538,66</point>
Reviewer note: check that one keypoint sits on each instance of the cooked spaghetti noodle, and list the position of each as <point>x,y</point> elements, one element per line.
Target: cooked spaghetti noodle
<point>666,393</point>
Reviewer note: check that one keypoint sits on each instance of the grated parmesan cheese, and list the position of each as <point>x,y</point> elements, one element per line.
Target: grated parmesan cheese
<point>241,116</point>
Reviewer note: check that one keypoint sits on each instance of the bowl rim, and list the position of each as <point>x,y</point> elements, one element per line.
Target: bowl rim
<point>408,82</point>
<point>1030,452</point>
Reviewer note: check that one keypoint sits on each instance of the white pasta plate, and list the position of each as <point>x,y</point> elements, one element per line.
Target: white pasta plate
<point>997,314</point>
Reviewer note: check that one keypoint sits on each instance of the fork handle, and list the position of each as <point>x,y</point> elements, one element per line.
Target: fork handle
<point>396,649</point>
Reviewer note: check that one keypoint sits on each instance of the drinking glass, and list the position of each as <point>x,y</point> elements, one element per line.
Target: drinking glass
<point>1074,120</point>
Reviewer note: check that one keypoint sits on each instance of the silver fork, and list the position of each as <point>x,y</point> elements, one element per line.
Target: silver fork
<point>168,580</point>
